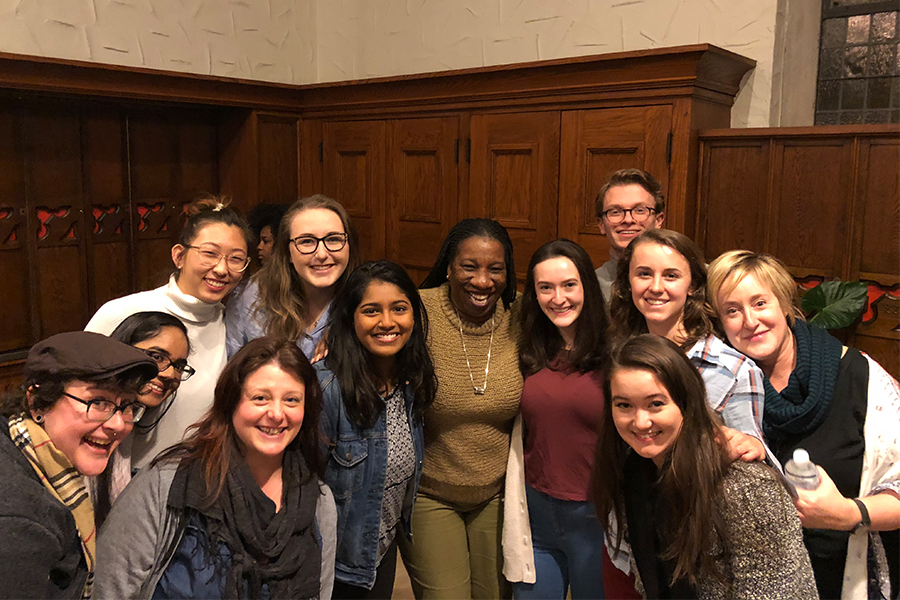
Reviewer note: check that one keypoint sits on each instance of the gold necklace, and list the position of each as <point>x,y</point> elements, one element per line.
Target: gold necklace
<point>479,391</point>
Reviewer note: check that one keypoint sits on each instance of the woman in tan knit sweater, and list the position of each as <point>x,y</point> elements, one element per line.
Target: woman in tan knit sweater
<point>456,522</point>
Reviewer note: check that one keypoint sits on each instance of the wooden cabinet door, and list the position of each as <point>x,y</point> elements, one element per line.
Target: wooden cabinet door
<point>514,177</point>
<point>422,190</point>
<point>596,144</point>
<point>353,173</point>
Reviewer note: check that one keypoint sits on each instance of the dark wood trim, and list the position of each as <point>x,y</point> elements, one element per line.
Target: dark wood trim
<point>891,130</point>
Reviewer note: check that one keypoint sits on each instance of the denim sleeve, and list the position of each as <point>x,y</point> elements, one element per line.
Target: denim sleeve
<point>241,322</point>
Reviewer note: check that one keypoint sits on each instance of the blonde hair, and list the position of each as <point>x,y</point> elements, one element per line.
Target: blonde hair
<point>733,266</point>
<point>281,295</point>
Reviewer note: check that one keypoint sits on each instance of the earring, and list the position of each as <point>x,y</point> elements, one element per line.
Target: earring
<point>38,419</point>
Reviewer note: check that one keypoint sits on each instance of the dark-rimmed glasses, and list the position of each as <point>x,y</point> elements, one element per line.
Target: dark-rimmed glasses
<point>163,362</point>
<point>638,213</point>
<point>101,410</point>
<point>308,244</point>
<point>236,263</point>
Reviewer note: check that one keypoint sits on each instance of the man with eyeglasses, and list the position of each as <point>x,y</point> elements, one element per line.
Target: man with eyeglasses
<point>628,204</point>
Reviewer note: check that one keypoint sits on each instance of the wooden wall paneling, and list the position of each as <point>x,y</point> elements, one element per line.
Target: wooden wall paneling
<point>110,273</point>
<point>198,154</point>
<point>514,177</point>
<point>880,336</point>
<point>594,145</point>
<point>154,175</point>
<point>237,157</point>
<point>354,175</point>
<point>311,148</point>
<point>278,139</point>
<point>17,327</point>
<point>811,195</point>
<point>733,197</point>
<point>421,189</point>
<point>877,218</point>
<point>55,195</point>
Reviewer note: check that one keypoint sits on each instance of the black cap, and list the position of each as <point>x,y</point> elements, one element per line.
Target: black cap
<point>86,354</point>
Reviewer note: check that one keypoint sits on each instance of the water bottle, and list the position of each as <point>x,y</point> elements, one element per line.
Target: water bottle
<point>801,471</point>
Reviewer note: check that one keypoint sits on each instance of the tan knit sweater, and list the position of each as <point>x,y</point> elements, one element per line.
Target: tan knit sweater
<point>467,436</point>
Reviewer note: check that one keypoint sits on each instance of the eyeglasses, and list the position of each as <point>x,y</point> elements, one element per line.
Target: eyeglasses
<point>308,244</point>
<point>163,362</point>
<point>236,263</point>
<point>101,410</point>
<point>638,213</point>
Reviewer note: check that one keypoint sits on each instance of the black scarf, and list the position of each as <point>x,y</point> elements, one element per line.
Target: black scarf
<point>803,404</point>
<point>278,549</point>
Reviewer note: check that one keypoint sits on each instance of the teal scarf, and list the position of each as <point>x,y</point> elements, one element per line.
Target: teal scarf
<point>803,404</point>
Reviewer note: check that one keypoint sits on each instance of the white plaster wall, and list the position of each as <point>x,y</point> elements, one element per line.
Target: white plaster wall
<point>269,40</point>
<point>357,39</point>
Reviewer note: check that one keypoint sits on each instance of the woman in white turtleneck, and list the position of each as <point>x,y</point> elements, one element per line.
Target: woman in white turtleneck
<point>210,259</point>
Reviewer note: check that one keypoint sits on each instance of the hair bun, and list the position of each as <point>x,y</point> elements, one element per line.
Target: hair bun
<point>207,203</point>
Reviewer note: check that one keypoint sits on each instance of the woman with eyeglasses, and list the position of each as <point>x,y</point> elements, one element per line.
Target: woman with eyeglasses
<point>210,258</point>
<point>78,401</point>
<point>290,297</point>
<point>164,339</point>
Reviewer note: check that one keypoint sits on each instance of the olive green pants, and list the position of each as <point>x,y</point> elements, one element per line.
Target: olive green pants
<point>455,553</point>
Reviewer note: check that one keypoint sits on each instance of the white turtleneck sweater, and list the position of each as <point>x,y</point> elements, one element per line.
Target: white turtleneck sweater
<point>206,331</point>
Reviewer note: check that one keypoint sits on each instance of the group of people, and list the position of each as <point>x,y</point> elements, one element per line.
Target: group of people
<point>618,431</point>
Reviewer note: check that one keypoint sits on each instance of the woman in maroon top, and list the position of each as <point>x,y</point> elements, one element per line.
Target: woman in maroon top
<point>562,356</point>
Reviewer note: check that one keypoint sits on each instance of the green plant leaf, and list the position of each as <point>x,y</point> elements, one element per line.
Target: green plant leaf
<point>835,304</point>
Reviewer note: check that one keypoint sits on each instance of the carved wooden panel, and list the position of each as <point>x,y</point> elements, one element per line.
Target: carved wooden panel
<point>514,176</point>
<point>878,214</point>
<point>279,157</point>
<point>595,144</point>
<point>732,211</point>
<point>422,189</point>
<point>354,175</point>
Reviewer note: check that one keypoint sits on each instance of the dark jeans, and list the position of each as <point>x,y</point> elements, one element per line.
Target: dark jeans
<point>384,580</point>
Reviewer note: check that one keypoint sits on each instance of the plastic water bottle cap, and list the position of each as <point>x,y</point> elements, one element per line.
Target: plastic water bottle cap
<point>801,456</point>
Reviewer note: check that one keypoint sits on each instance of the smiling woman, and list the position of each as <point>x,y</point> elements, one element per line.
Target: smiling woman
<point>456,524</point>
<point>237,510</point>
<point>78,401</point>
<point>210,260</point>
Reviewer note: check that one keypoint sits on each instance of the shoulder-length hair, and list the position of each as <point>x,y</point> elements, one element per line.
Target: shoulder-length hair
<point>352,363</point>
<point>469,228</point>
<point>627,320</point>
<point>539,339</point>
<point>729,269</point>
<point>213,440</point>
<point>690,479</point>
<point>281,293</point>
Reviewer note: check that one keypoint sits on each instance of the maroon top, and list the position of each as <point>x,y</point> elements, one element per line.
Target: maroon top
<point>562,412</point>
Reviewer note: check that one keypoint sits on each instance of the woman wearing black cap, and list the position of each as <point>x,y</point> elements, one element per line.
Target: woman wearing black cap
<point>77,403</point>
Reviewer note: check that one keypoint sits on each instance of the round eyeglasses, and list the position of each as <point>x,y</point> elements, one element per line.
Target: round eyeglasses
<point>163,362</point>
<point>308,244</point>
<point>101,410</point>
<point>638,213</point>
<point>236,263</point>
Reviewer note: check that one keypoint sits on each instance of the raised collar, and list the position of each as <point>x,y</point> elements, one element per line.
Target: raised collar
<point>188,308</point>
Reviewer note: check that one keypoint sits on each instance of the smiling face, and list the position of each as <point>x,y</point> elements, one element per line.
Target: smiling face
<point>266,244</point>
<point>269,414</point>
<point>384,320</point>
<point>756,324</point>
<point>322,268</point>
<point>87,444</point>
<point>560,294</point>
<point>627,197</point>
<point>644,413</point>
<point>660,279</point>
<point>477,277</point>
<point>172,345</point>
<point>209,284</point>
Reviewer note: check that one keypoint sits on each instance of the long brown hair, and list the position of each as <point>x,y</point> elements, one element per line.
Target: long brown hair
<point>213,440</point>
<point>690,481</point>
<point>281,295</point>
<point>627,321</point>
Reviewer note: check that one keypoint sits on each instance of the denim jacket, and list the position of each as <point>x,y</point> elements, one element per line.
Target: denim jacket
<point>355,472</point>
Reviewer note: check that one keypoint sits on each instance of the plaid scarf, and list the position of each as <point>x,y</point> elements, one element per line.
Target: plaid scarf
<point>61,479</point>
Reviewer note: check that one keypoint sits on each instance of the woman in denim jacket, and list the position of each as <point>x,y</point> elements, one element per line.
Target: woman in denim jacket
<point>377,381</point>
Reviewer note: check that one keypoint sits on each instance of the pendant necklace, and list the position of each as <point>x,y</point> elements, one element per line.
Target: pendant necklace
<point>479,391</point>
